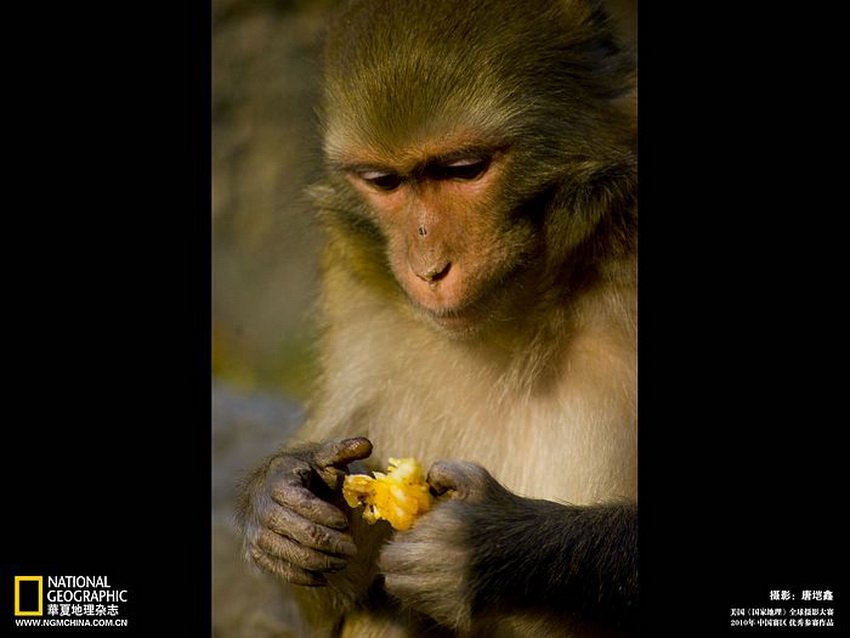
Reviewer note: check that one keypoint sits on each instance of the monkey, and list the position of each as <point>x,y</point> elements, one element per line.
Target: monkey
<point>478,313</point>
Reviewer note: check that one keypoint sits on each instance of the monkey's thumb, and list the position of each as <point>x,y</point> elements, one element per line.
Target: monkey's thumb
<point>457,479</point>
<point>341,452</point>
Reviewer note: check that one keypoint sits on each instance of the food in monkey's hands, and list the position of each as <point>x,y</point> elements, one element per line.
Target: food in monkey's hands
<point>399,496</point>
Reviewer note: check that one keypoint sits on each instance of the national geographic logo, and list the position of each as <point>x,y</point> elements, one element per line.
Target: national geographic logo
<point>29,595</point>
<point>69,601</point>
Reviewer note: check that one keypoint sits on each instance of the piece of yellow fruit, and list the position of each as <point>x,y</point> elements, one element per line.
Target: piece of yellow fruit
<point>398,496</point>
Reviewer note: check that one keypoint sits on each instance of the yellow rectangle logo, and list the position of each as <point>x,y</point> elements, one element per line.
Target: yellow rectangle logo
<point>31,610</point>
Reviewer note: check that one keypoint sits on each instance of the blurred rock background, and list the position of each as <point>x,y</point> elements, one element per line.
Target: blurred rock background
<point>265,268</point>
<point>264,272</point>
<point>264,152</point>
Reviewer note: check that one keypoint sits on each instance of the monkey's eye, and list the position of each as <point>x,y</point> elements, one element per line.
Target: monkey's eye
<point>464,169</point>
<point>381,180</point>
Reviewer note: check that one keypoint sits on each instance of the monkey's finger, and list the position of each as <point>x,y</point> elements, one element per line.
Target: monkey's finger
<point>457,479</point>
<point>289,470</point>
<point>290,473</point>
<point>277,546</point>
<point>306,504</point>
<point>286,571</point>
<point>341,452</point>
<point>288,523</point>
<point>336,455</point>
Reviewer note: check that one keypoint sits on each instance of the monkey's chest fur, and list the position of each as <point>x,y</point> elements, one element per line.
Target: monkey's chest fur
<point>558,425</point>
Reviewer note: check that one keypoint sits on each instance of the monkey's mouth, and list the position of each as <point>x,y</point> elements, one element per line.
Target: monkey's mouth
<point>456,318</point>
<point>495,304</point>
<point>461,321</point>
<point>456,321</point>
<point>495,299</point>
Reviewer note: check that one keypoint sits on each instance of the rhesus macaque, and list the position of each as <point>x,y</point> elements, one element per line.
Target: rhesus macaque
<point>479,315</point>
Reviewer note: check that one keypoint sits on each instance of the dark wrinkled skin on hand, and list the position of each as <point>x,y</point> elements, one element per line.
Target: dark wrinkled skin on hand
<point>293,525</point>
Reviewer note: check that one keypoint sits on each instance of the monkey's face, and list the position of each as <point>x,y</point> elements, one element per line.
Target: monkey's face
<point>451,242</point>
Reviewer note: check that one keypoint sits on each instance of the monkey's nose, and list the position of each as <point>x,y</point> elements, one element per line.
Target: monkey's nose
<point>435,274</point>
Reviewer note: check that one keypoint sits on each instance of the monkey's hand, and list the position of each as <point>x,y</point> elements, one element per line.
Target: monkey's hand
<point>288,511</point>
<point>427,567</point>
<point>483,549</point>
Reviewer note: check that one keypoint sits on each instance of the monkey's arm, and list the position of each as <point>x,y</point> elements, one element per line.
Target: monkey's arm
<point>489,551</point>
